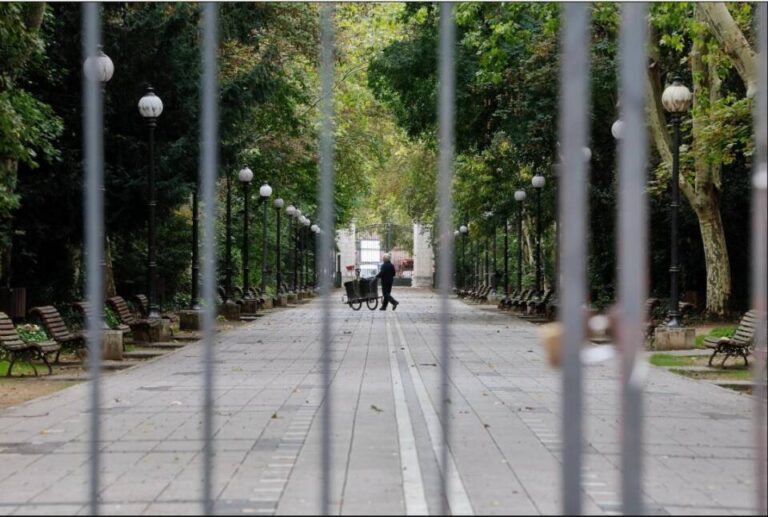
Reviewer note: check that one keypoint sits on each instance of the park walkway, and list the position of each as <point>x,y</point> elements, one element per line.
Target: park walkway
<point>505,455</point>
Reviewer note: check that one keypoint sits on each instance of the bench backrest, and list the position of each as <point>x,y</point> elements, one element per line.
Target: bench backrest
<point>122,310</point>
<point>745,332</point>
<point>53,322</point>
<point>9,338</point>
<point>142,302</point>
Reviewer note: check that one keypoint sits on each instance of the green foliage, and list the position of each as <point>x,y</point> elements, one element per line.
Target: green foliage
<point>31,333</point>
<point>113,320</point>
<point>671,360</point>
<point>28,127</point>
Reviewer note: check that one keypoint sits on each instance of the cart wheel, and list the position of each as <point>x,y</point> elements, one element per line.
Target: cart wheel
<point>372,303</point>
<point>356,305</point>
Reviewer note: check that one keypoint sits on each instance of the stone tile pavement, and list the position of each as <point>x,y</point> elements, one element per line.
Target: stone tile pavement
<point>504,401</point>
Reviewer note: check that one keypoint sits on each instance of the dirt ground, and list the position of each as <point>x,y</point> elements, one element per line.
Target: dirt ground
<point>21,389</point>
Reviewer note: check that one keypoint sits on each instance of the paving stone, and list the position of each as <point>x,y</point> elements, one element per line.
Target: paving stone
<point>504,412</point>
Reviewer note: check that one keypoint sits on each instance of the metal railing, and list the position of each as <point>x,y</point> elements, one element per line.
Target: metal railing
<point>572,207</point>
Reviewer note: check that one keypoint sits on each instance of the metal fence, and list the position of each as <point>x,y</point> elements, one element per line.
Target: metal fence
<point>573,128</point>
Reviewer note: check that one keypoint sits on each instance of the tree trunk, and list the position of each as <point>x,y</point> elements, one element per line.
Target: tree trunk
<point>715,255</point>
<point>109,274</point>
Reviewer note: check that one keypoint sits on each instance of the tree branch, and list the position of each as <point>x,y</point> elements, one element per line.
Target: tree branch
<point>733,42</point>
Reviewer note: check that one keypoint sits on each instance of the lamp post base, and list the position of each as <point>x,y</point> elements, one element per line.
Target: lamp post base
<point>230,310</point>
<point>674,338</point>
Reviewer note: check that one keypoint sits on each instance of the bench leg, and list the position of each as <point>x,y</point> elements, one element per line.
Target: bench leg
<point>714,353</point>
<point>45,360</point>
<point>10,365</point>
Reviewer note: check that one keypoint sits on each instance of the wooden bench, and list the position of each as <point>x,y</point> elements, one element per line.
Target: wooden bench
<point>504,302</point>
<point>84,308</point>
<point>651,322</point>
<point>538,304</point>
<point>127,318</point>
<point>16,348</point>
<point>56,327</point>
<point>740,343</point>
<point>522,300</point>
<point>142,302</point>
<point>481,293</point>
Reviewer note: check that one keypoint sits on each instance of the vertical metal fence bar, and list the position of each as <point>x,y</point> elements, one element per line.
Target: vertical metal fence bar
<point>759,241</point>
<point>574,99</point>
<point>446,121</point>
<point>209,160</point>
<point>93,114</point>
<point>326,210</point>
<point>632,246</point>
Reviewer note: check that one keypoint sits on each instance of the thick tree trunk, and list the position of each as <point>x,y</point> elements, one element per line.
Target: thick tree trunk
<point>715,255</point>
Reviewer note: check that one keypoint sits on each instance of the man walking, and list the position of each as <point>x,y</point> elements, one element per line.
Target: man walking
<point>387,275</point>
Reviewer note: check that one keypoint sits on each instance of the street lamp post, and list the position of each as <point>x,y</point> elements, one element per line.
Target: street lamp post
<point>305,259</point>
<point>506,258</point>
<point>520,197</point>
<point>194,303</point>
<point>676,100</point>
<point>297,251</point>
<point>279,203</point>
<point>538,183</point>
<point>457,268</point>
<point>315,229</point>
<point>150,107</point>
<point>265,191</point>
<point>246,176</point>
<point>463,230</point>
<point>291,211</point>
<point>101,68</point>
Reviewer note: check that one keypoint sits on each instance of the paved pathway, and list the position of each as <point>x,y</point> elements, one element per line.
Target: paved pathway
<point>505,451</point>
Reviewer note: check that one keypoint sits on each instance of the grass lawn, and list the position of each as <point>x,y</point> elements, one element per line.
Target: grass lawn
<point>672,360</point>
<point>21,368</point>
<point>721,375</point>
<point>715,332</point>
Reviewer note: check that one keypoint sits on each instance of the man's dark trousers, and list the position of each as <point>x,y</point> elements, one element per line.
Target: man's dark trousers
<point>387,276</point>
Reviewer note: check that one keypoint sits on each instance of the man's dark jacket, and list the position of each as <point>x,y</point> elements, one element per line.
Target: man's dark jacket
<point>387,274</point>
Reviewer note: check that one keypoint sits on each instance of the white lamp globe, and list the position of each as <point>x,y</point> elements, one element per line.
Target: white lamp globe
<point>291,210</point>
<point>315,228</point>
<point>306,222</point>
<point>265,191</point>
<point>150,106</point>
<point>279,203</point>
<point>676,97</point>
<point>455,232</point>
<point>617,129</point>
<point>99,67</point>
<point>538,181</point>
<point>463,228</point>
<point>520,195</point>
<point>245,175</point>
<point>587,153</point>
